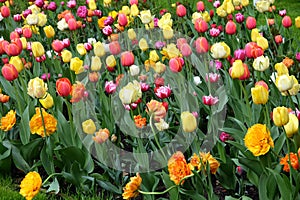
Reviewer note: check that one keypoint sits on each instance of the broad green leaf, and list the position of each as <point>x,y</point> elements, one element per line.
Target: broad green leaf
<point>24,126</point>
<point>54,187</point>
<point>283,185</point>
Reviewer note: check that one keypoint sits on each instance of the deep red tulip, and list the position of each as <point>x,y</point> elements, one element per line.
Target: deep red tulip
<point>5,11</point>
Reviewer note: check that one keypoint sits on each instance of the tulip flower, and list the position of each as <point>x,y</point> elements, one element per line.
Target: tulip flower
<point>220,50</point>
<point>27,33</point>
<point>17,62</point>
<point>122,19</point>
<point>63,87</point>
<point>115,47</point>
<point>246,74</point>
<point>72,24</point>
<point>127,58</point>
<point>49,31</point>
<point>88,126</point>
<point>200,6</point>
<point>237,69</point>
<point>168,32</point>
<point>250,23</point>
<point>284,82</point>
<point>176,64</point>
<point>278,39</point>
<point>201,25</point>
<point>14,48</point>
<point>110,87</point>
<point>230,28</point>
<point>5,11</point>
<point>110,62</point>
<point>134,70</point>
<point>280,116</point>
<point>96,63</point>
<point>37,49</point>
<point>239,17</point>
<point>261,63</point>
<point>76,65</point>
<point>9,72</point>
<point>181,10</point>
<point>297,22</point>
<point>47,101</point>
<point>260,93</point>
<point>57,46</point>
<point>286,21</point>
<point>188,121</point>
<point>210,100</point>
<point>186,50</point>
<point>37,88</point>
<point>292,126</point>
<point>81,49</point>
<point>262,42</point>
<point>163,92</point>
<point>202,45</point>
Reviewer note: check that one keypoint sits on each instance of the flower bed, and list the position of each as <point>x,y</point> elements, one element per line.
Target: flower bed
<point>193,101</point>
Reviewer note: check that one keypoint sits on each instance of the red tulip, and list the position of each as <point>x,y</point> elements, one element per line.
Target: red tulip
<point>176,64</point>
<point>181,11</point>
<point>14,35</point>
<point>250,23</point>
<point>246,74</point>
<point>27,32</point>
<point>202,45</point>
<point>72,24</point>
<point>14,48</point>
<point>230,28</point>
<point>201,25</point>
<point>186,50</point>
<point>5,12</point>
<point>200,6</point>
<point>57,46</point>
<point>127,58</point>
<point>286,21</point>
<point>122,19</point>
<point>114,47</point>
<point>278,39</point>
<point>3,43</point>
<point>252,50</point>
<point>63,87</point>
<point>180,42</point>
<point>134,2</point>
<point>9,72</point>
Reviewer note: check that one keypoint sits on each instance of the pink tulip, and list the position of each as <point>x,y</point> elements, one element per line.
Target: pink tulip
<point>163,92</point>
<point>210,100</point>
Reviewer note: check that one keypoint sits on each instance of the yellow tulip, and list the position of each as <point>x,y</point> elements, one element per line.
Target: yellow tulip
<point>146,16</point>
<point>42,19</point>
<point>17,62</point>
<point>37,49</point>
<point>131,34</point>
<point>96,63</point>
<point>88,126</point>
<point>66,55</point>
<point>47,102</point>
<point>237,69</point>
<point>189,122</point>
<point>262,42</point>
<point>134,10</point>
<point>254,34</point>
<point>292,126</point>
<point>280,116</point>
<point>143,44</point>
<point>153,56</point>
<point>260,95</point>
<point>76,65</point>
<point>111,61</point>
<point>284,82</point>
<point>297,22</point>
<point>81,49</point>
<point>168,32</point>
<point>99,49</point>
<point>49,31</point>
<point>37,88</point>
<point>281,69</point>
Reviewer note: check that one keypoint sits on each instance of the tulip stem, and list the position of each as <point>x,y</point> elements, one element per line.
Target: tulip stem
<point>43,120</point>
<point>50,176</point>
<point>155,138</point>
<point>289,156</point>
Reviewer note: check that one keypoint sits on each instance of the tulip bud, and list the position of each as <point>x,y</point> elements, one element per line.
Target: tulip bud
<point>122,19</point>
<point>110,87</point>
<point>111,61</point>
<point>63,87</point>
<point>189,122</point>
<point>9,72</point>
<point>278,39</point>
<point>200,6</point>
<point>99,49</point>
<point>131,34</point>
<point>280,116</point>
<point>210,100</point>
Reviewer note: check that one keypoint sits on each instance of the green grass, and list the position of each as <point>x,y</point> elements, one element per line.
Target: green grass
<point>9,190</point>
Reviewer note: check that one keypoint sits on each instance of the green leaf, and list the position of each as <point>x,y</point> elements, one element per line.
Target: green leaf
<point>192,194</point>
<point>253,178</point>
<point>262,190</point>
<point>283,185</point>
<point>109,187</point>
<point>7,87</point>
<point>235,133</point>
<point>279,143</point>
<point>19,160</point>
<point>54,187</point>
<point>32,149</point>
<point>174,193</point>
<point>24,126</point>
<point>47,162</point>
